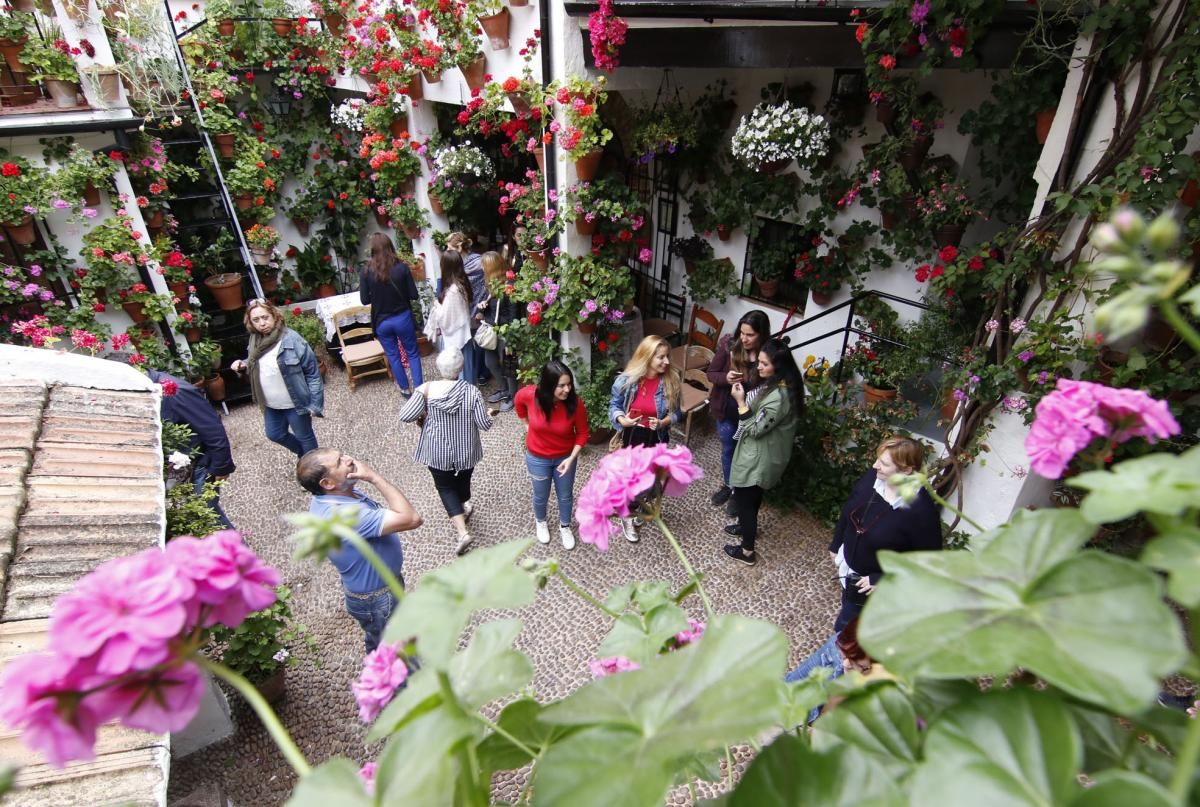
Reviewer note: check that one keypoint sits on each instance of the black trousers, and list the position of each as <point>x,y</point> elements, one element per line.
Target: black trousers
<point>454,488</point>
<point>748,501</point>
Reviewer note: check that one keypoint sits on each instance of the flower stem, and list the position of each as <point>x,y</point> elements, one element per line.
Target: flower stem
<point>1171,312</point>
<point>584,595</point>
<point>264,711</point>
<point>364,548</point>
<point>1185,764</point>
<point>533,755</point>
<point>695,577</point>
<point>937,498</point>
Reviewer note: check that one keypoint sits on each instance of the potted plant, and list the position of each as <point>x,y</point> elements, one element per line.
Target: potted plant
<point>608,204</point>
<point>192,324</point>
<point>81,173</point>
<point>690,250</point>
<point>774,135</point>
<point>312,330</point>
<point>823,274</point>
<point>395,165</point>
<point>14,33</point>
<point>462,176</point>
<point>495,20</point>
<point>22,196</point>
<point>262,239</point>
<point>262,646</point>
<point>307,206</point>
<point>143,305</point>
<point>946,208</point>
<point>407,215</point>
<point>315,269</point>
<point>712,279</point>
<point>595,390</point>
<point>49,62</point>
<point>591,290</point>
<point>388,114</point>
<point>663,129</point>
<point>771,259</point>
<point>584,135</point>
<point>111,252</point>
<point>221,13</point>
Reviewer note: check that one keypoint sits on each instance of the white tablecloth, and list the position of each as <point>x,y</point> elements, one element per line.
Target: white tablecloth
<point>328,306</point>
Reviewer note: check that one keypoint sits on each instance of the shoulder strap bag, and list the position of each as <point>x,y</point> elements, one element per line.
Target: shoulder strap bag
<point>485,335</point>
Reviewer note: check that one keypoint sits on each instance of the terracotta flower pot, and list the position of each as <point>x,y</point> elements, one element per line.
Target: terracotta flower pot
<point>108,86</point>
<point>495,26</point>
<point>412,231</point>
<point>885,113</point>
<point>518,3</point>
<point>435,204</point>
<point>432,76</point>
<point>136,312</point>
<point>215,387</point>
<point>949,405</point>
<point>91,194</point>
<point>875,395</point>
<point>225,143</point>
<point>399,127</point>
<point>227,289</point>
<point>888,218</point>
<point>539,259</point>
<point>413,89</point>
<point>474,72</point>
<point>913,155</point>
<point>156,219</point>
<point>1189,194</point>
<point>539,154</point>
<point>12,53</point>
<point>302,227</point>
<point>326,290</point>
<point>724,233</point>
<point>587,328</point>
<point>585,227</point>
<point>226,27</point>
<point>381,219</point>
<point>773,166</point>
<point>334,23</point>
<point>282,26</point>
<point>193,335</point>
<point>418,269</point>
<point>244,201</point>
<point>822,297</point>
<point>950,235</point>
<point>424,346</point>
<point>587,166</point>
<point>767,288</point>
<point>269,281</point>
<point>1044,120</point>
<point>22,232</point>
<point>520,103</point>
<point>64,93</point>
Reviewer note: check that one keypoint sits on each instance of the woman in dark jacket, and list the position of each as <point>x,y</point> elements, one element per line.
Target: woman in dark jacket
<point>499,309</point>
<point>386,284</point>
<point>876,518</point>
<point>734,363</point>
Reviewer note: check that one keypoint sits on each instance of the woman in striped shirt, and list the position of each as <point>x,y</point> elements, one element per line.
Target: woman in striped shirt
<point>449,445</point>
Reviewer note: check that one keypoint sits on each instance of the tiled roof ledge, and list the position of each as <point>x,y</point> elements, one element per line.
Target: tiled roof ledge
<point>54,367</point>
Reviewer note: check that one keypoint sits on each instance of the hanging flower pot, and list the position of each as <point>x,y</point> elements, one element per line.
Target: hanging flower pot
<point>381,219</point>
<point>22,232</point>
<point>885,113</point>
<point>875,395</point>
<point>261,255</point>
<point>91,194</point>
<point>225,143</point>
<point>193,335</point>
<point>432,76</point>
<point>269,281</point>
<point>587,166</point>
<point>585,227</point>
<point>539,154</point>
<point>226,289</point>
<point>495,26</point>
<point>64,93</point>
<point>435,204</point>
<point>418,271</point>
<point>587,328</point>
<point>282,26</point>
<point>334,23</point>
<point>822,297</point>
<point>1043,122</point>
<point>408,186</point>
<point>424,346</point>
<point>413,89</point>
<point>949,405</point>
<point>12,53</point>
<point>767,288</point>
<point>950,235</point>
<point>539,259</point>
<point>136,312</point>
<point>215,387</point>
<point>914,153</point>
<point>474,72</point>
<point>724,233</point>
<point>773,166</point>
<point>226,27</point>
<point>399,127</point>
<point>520,103</point>
<point>412,231</point>
<point>518,3</point>
<point>244,201</point>
<point>910,206</point>
<point>326,290</point>
<point>888,219</point>
<point>301,226</point>
<point>156,219</point>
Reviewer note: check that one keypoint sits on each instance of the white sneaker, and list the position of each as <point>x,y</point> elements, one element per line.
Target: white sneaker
<point>568,537</point>
<point>629,530</point>
<point>468,509</point>
<point>464,543</point>
<point>543,532</point>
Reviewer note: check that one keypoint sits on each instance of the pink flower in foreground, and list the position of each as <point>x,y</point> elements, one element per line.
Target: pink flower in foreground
<point>680,470</point>
<point>228,576</point>
<point>383,673</point>
<point>593,508</point>
<point>123,613</point>
<point>604,667</point>
<point>61,728</point>
<point>1077,412</point>
<point>695,631</point>
<point>162,702</point>
<point>367,774</point>
<point>629,471</point>
<point>620,478</point>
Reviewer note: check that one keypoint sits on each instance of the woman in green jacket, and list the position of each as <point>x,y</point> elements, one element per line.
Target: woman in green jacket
<point>767,418</point>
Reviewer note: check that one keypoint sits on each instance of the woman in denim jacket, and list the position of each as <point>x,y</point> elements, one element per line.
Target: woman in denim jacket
<point>645,401</point>
<point>284,379</point>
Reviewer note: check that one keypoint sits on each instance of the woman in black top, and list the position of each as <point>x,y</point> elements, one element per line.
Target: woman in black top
<point>499,309</point>
<point>386,284</point>
<point>876,518</point>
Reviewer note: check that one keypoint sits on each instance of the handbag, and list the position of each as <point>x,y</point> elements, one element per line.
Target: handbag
<point>421,419</point>
<point>485,335</point>
<point>617,441</point>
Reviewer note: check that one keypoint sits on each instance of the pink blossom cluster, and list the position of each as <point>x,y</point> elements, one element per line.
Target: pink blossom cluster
<point>624,475</point>
<point>1078,412</point>
<point>604,667</point>
<point>37,330</point>
<point>384,671</point>
<point>121,643</point>
<point>607,34</point>
<point>693,633</point>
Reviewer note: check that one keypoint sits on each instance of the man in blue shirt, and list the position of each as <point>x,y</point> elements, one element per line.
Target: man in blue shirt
<point>330,476</point>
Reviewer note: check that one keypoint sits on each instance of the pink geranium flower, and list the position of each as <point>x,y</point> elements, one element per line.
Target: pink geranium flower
<point>228,576</point>
<point>123,613</point>
<point>679,469</point>
<point>604,667</point>
<point>61,729</point>
<point>163,702</point>
<point>623,476</point>
<point>383,673</point>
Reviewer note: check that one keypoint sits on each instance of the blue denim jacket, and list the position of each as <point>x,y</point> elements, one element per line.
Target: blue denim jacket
<point>298,365</point>
<point>624,390</point>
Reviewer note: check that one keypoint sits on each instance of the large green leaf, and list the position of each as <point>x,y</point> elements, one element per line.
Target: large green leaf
<point>418,765</point>
<point>1112,743</point>
<point>335,781</point>
<point>1005,749</point>
<point>1177,552</point>
<point>1093,624</point>
<point>438,610</point>
<point>787,773</point>
<point>640,638</point>
<point>1157,483</point>
<point>879,722</point>
<point>1124,789</point>
<point>638,727</point>
<point>522,720</point>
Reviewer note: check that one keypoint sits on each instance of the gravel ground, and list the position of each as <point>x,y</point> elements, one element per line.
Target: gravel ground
<point>793,584</point>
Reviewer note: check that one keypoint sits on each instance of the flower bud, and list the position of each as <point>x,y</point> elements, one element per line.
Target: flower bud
<point>907,485</point>
<point>1124,314</point>
<point>1129,224</point>
<point>1106,238</point>
<point>1163,233</point>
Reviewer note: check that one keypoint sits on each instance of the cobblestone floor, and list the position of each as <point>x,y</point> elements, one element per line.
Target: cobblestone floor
<point>793,585</point>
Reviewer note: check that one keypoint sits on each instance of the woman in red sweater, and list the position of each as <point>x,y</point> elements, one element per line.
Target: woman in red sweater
<point>555,432</point>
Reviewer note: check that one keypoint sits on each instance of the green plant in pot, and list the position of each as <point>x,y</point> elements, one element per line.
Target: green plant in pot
<point>315,269</point>
<point>310,327</point>
<point>595,390</point>
<point>691,249</point>
<point>49,59</point>
<point>712,279</point>
<point>531,341</point>
<point>22,188</point>
<point>81,173</point>
<point>264,643</point>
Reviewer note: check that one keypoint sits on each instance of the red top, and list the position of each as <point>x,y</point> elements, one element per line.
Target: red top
<point>644,406</point>
<point>552,438</point>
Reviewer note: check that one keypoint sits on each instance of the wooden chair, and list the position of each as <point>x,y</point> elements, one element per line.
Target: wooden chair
<point>361,354</point>
<point>693,397</point>
<point>705,337</point>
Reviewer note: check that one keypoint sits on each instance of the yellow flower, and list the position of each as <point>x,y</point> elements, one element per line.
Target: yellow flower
<point>809,360</point>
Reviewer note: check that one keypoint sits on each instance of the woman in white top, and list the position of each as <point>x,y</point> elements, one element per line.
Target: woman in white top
<point>450,315</point>
<point>449,445</point>
<point>284,379</point>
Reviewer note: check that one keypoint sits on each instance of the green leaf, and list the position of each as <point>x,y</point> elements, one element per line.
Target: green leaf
<point>1177,552</point>
<point>420,695</point>
<point>1111,743</point>
<point>879,722</point>
<point>418,765</point>
<point>638,727</point>
<point>1156,483</point>
<point>438,610</point>
<point>640,639</point>
<point>521,719</point>
<point>1004,749</point>
<point>1122,789</point>
<point>1090,623</point>
<point>489,668</point>
<point>335,781</point>
<point>787,773</point>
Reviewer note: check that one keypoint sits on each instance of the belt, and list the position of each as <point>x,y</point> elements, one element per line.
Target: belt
<point>366,595</point>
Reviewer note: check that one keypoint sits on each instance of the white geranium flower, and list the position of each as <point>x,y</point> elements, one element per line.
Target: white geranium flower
<point>179,460</point>
<point>282,655</point>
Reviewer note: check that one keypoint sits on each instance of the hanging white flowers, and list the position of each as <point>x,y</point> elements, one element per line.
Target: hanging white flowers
<point>780,133</point>
<point>349,114</point>
<point>464,162</point>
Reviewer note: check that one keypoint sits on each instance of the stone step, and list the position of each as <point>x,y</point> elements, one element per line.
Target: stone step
<point>70,460</point>
<point>123,777</point>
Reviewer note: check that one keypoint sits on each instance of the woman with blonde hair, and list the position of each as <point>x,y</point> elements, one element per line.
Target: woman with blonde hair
<point>284,379</point>
<point>386,284</point>
<point>499,309</point>
<point>645,401</point>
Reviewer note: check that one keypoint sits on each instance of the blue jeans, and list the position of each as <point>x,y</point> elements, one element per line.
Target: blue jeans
<point>396,333</point>
<point>850,610</point>
<point>726,428</point>
<point>199,477</point>
<point>472,361</point>
<point>373,614</point>
<point>827,655</point>
<point>542,472</point>
<point>300,439</point>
